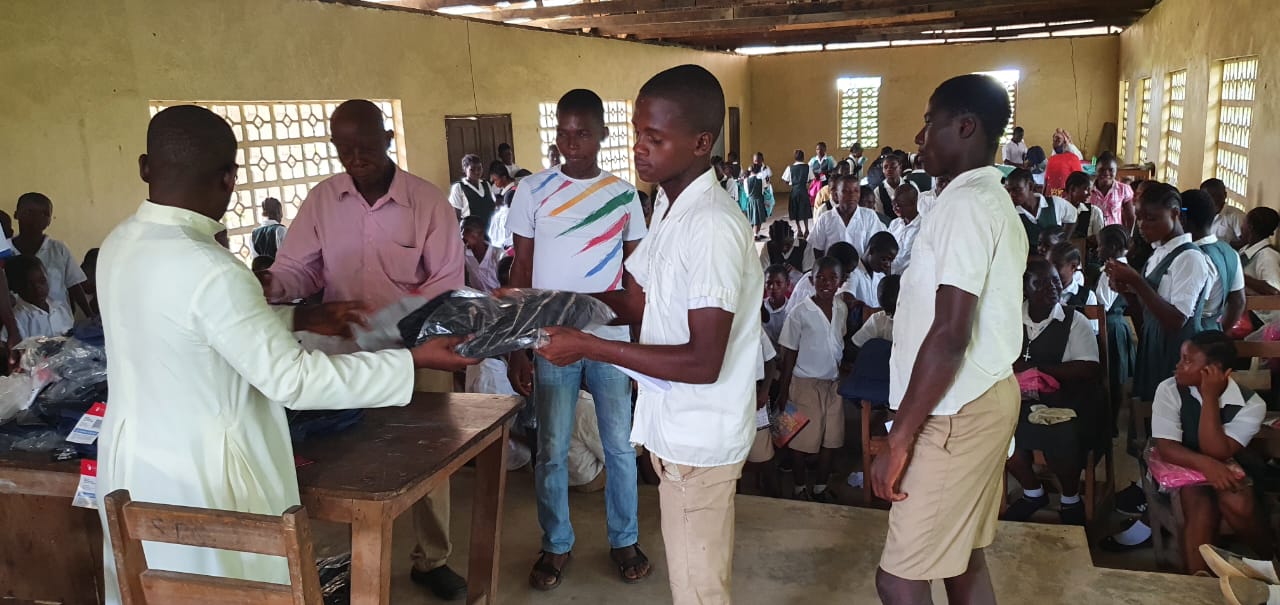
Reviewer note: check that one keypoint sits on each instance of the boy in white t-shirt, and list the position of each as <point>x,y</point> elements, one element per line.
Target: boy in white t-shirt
<point>880,324</point>
<point>812,345</point>
<point>777,283</point>
<point>574,225</point>
<point>696,297</point>
<point>34,215</point>
<point>864,282</point>
<point>37,313</point>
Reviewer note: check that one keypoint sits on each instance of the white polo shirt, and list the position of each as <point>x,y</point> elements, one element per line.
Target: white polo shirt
<point>1062,209</point>
<point>1166,412</point>
<point>831,228</point>
<point>700,255</point>
<point>817,341</point>
<point>905,233</point>
<point>1227,224</point>
<point>974,241</point>
<point>1082,343</point>
<point>864,286</point>
<point>1187,279</point>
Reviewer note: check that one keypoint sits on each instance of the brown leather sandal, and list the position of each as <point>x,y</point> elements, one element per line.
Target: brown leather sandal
<point>543,568</point>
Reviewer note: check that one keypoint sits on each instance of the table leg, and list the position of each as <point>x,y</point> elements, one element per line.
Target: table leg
<point>486,522</point>
<point>371,554</point>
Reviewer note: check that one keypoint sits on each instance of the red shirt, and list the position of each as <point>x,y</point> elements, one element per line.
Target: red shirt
<point>1055,175</point>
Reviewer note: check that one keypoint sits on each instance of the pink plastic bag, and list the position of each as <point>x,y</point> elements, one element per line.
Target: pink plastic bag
<point>1171,476</point>
<point>1034,383</point>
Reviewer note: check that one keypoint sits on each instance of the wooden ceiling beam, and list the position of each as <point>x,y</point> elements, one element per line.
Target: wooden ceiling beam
<point>615,7</point>
<point>887,34</point>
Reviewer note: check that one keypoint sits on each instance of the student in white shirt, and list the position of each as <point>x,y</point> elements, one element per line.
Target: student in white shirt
<point>1058,341</point>
<point>777,284</point>
<point>1065,258</point>
<point>697,301</point>
<point>1113,244</point>
<point>472,194</point>
<point>1036,212</point>
<point>864,282</point>
<point>906,226</point>
<point>848,223</point>
<point>481,257</point>
<point>1261,260</point>
<point>34,214</point>
<point>507,155</point>
<point>804,288</point>
<point>1089,220</point>
<point>1015,151</point>
<point>1228,223</point>
<point>267,238</point>
<point>1200,420</point>
<point>504,189</point>
<point>880,324</point>
<point>951,376</point>
<point>783,249</point>
<point>1224,303</point>
<point>813,342</point>
<point>893,166</point>
<point>929,198</point>
<point>37,313</point>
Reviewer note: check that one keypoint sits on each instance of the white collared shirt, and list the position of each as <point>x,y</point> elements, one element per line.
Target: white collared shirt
<point>905,233</point>
<point>1187,280</point>
<point>458,198</point>
<point>1082,341</point>
<point>1166,412</point>
<point>1227,224</point>
<point>879,325</point>
<point>975,242</point>
<point>61,268</point>
<point>1215,298</point>
<point>279,235</point>
<point>1062,209</point>
<point>700,255</point>
<point>1015,152</point>
<point>817,341</point>
<point>786,175</point>
<point>864,285</point>
<point>1095,218</point>
<point>1106,295</point>
<point>202,372</point>
<point>1261,261</point>
<point>926,202</point>
<point>33,321</point>
<point>482,273</point>
<point>1071,289</point>
<point>831,228</point>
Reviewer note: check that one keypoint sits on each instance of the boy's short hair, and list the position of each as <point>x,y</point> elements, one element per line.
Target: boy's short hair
<point>1197,209</point>
<point>583,101</point>
<point>855,146</point>
<point>521,173</point>
<point>1161,195</point>
<point>1018,130</point>
<point>979,95</point>
<point>1215,186</point>
<point>882,242</point>
<point>843,252</point>
<point>893,157</point>
<point>695,91</point>
<point>828,262</point>
<point>262,263</point>
<point>1216,346</point>
<point>1020,176</point>
<point>504,270</point>
<point>33,197</point>
<point>888,293</point>
<point>799,155</point>
<point>780,230</point>
<point>1263,221</point>
<point>1036,266</point>
<point>773,270</point>
<point>272,204</point>
<point>474,223</point>
<point>1064,252</point>
<point>470,160</point>
<point>90,262</point>
<point>504,147</point>
<point>1078,179</point>
<point>17,270</point>
<point>497,168</point>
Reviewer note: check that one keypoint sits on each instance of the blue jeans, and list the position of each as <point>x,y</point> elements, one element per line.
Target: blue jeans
<point>556,393</point>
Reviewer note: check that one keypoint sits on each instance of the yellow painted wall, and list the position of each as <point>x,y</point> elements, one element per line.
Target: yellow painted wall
<point>1065,83</point>
<point>77,77</point>
<point>1194,35</point>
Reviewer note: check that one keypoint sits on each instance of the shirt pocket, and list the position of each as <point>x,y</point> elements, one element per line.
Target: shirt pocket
<point>402,264</point>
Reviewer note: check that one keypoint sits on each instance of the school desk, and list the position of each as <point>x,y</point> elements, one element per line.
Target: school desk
<point>366,477</point>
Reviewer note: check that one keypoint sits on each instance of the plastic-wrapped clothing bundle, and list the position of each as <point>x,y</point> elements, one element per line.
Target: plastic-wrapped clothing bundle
<point>500,325</point>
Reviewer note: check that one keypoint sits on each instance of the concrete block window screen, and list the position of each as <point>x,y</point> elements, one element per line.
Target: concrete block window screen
<point>615,152</point>
<point>1235,118</point>
<point>859,112</point>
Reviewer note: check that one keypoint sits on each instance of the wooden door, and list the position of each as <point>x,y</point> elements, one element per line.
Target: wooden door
<point>735,135</point>
<point>478,134</point>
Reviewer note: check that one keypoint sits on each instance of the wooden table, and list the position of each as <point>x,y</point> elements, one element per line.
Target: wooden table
<point>366,477</point>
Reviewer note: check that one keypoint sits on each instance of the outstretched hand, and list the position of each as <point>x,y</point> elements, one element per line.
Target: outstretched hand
<point>330,319</point>
<point>440,354</point>
<point>564,346</point>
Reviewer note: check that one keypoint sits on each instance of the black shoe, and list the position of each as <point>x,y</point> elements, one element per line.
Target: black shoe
<point>1072,514</point>
<point>825,497</point>
<point>1131,500</point>
<point>443,582</point>
<point>1024,507</point>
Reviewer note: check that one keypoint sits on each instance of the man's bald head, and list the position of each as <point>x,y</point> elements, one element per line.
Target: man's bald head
<point>359,134</point>
<point>190,160</point>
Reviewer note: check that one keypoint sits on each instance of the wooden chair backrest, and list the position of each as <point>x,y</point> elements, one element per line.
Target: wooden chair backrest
<point>1098,314</point>
<point>1263,350</point>
<point>131,523</point>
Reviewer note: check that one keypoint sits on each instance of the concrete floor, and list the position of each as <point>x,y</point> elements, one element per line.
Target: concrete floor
<point>787,552</point>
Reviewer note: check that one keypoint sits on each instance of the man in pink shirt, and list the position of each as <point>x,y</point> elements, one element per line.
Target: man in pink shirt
<point>376,234</point>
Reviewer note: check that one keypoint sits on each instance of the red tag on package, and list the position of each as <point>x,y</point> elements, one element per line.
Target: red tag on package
<point>86,431</point>
<point>87,491</point>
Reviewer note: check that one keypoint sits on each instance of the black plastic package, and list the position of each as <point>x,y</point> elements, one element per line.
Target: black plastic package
<point>500,325</point>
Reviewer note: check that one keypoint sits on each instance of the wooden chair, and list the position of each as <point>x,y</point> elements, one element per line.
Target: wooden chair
<point>866,386</point>
<point>1094,492</point>
<point>289,535</point>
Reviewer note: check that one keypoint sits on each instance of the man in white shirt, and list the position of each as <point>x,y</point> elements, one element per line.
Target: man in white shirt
<point>1228,223</point>
<point>697,297</point>
<point>849,223</point>
<point>575,225</point>
<point>1015,151</point>
<point>951,376</point>
<point>197,416</point>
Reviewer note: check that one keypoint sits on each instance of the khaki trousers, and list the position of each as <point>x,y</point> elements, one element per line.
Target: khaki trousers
<point>431,514</point>
<point>697,527</point>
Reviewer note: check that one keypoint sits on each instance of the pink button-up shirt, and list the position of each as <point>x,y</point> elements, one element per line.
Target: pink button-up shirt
<point>1111,201</point>
<point>406,243</point>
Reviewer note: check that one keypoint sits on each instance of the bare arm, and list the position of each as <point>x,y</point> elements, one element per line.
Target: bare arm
<point>522,262</point>
<point>79,299</point>
<point>695,362</point>
<point>1214,470</point>
<point>935,368</point>
<point>1233,310</point>
<point>787,371</point>
<point>1072,371</point>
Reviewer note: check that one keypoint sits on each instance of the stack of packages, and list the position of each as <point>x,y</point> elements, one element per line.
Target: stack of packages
<point>61,380</point>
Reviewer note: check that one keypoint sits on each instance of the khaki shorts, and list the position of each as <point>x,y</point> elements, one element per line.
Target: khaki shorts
<point>818,400</point>
<point>953,485</point>
<point>761,447</point>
